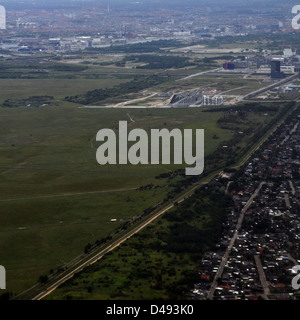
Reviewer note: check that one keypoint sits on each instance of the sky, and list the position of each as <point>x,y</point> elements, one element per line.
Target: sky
<point>21,4</point>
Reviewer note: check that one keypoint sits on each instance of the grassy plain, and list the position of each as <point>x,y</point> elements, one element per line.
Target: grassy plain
<point>54,197</point>
<point>160,262</point>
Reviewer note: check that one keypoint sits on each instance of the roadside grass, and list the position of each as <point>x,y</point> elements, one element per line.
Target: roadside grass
<point>51,153</point>
<point>66,200</point>
<point>153,264</point>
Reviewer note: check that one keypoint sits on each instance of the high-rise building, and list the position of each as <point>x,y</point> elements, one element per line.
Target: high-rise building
<point>275,70</point>
<point>2,18</point>
<point>275,66</point>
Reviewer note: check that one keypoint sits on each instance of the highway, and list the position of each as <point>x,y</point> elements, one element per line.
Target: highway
<point>273,85</point>
<point>38,291</point>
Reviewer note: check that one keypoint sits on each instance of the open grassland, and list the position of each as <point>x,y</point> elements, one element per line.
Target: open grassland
<point>158,263</point>
<point>59,88</point>
<point>55,198</point>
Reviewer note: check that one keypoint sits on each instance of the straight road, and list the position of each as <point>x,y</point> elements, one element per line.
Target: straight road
<point>231,243</point>
<point>199,74</point>
<point>38,291</point>
<point>262,277</point>
<point>292,187</point>
<point>271,86</point>
<point>78,263</point>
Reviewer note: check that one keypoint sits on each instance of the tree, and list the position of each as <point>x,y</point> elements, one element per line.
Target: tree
<point>87,248</point>
<point>43,279</point>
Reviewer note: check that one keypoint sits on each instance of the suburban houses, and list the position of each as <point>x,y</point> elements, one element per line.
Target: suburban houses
<point>254,260</point>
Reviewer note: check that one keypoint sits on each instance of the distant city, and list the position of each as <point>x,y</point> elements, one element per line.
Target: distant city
<point>55,28</point>
<point>84,230</point>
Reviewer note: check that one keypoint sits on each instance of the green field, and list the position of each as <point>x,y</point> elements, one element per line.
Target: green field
<point>54,197</point>
<point>160,262</point>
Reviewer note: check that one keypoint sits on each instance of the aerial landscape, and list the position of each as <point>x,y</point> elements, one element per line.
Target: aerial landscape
<point>149,150</point>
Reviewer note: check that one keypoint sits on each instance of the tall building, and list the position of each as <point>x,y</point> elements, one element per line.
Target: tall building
<point>275,70</point>
<point>2,18</point>
<point>275,66</point>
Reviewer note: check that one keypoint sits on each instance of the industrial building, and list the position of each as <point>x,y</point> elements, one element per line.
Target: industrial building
<point>185,100</point>
<point>237,64</point>
<point>195,98</point>
<point>212,100</point>
<point>228,66</point>
<point>289,52</point>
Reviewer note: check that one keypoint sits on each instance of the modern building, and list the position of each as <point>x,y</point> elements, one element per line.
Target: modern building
<point>212,100</point>
<point>288,69</point>
<point>228,66</point>
<point>2,18</point>
<point>186,100</point>
<point>289,52</point>
<point>275,70</point>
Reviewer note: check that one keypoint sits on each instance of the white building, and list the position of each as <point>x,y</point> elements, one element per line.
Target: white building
<point>287,69</point>
<point>2,18</point>
<point>212,100</point>
<point>289,52</point>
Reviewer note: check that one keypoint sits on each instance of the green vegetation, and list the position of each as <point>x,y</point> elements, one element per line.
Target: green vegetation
<point>138,84</point>
<point>157,61</point>
<point>56,199</point>
<point>56,202</point>
<point>35,101</point>
<point>160,262</point>
<point>62,196</point>
<point>147,47</point>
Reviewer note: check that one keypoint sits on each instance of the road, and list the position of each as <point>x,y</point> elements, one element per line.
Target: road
<point>96,257</point>
<point>291,132</point>
<point>82,263</point>
<point>231,243</point>
<point>38,292</point>
<point>199,74</point>
<point>262,140</point>
<point>287,201</point>
<point>79,263</point>
<point>262,277</point>
<point>292,187</point>
<point>273,85</point>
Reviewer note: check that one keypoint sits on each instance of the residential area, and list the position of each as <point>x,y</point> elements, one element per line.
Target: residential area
<point>260,242</point>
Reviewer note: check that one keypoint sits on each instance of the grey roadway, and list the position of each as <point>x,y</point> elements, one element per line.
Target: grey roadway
<point>231,243</point>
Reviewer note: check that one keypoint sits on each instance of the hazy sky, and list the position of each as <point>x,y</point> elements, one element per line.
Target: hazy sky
<point>21,4</point>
